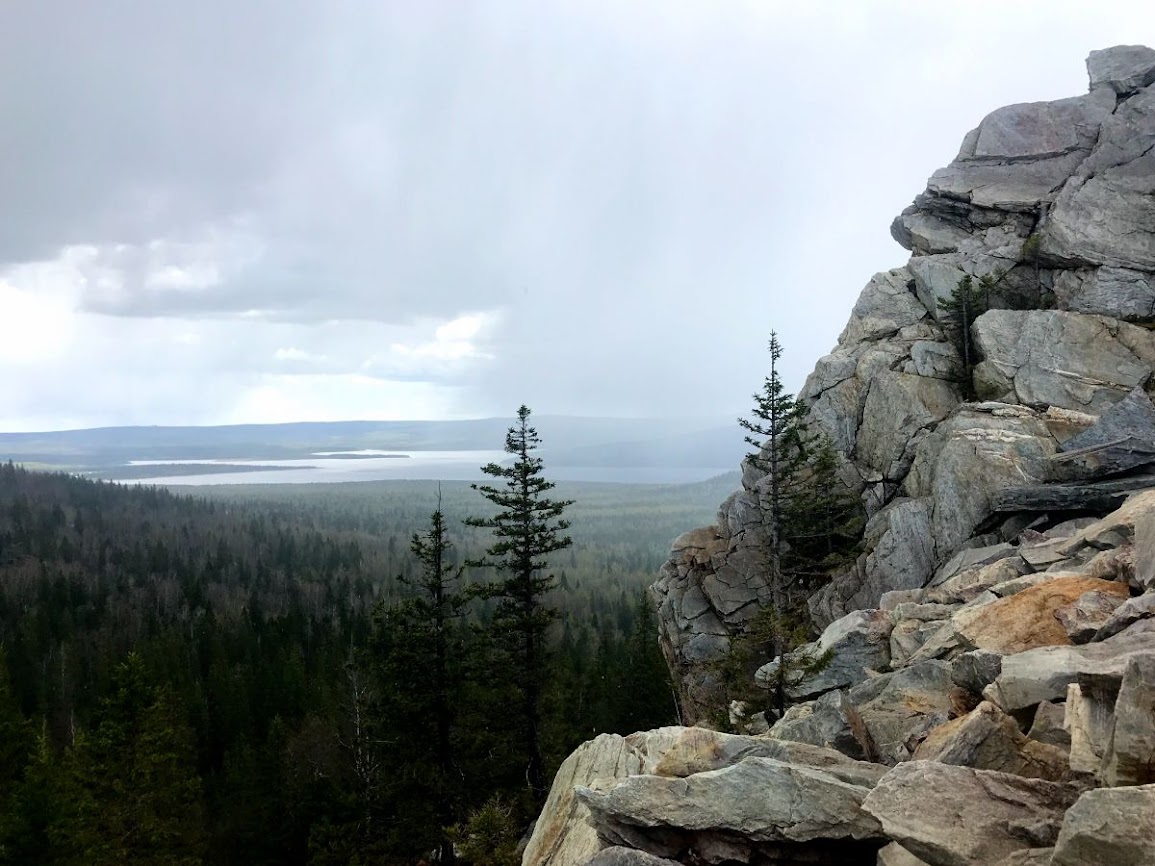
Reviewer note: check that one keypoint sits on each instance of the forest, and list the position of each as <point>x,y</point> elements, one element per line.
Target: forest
<point>225,679</point>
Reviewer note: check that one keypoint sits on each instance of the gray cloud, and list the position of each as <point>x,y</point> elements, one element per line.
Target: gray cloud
<point>637,192</point>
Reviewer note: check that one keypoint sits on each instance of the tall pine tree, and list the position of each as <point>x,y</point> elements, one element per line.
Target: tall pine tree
<point>418,648</point>
<point>527,527</point>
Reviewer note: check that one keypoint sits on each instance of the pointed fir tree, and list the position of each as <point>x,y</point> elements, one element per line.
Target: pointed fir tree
<point>418,648</point>
<point>527,527</point>
<point>777,432</point>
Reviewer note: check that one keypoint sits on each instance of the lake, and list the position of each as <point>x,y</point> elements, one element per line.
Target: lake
<point>336,466</point>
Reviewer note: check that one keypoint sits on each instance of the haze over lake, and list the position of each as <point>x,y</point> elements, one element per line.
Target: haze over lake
<point>328,467</point>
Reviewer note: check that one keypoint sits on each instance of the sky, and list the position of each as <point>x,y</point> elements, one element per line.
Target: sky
<point>280,210</point>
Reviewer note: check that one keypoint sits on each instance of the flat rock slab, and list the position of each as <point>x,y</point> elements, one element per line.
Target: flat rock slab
<point>762,799</point>
<point>699,750</point>
<point>1070,360</point>
<point>957,816</point>
<point>1043,674</point>
<point>1113,826</point>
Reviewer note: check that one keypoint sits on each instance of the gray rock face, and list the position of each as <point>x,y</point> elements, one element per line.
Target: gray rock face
<point>1130,756</point>
<point>1110,825</point>
<point>1053,358</point>
<point>1124,68</point>
<point>1059,198</point>
<point>1020,153</point>
<point>731,814</point>
<point>956,816</point>
<point>561,836</point>
<point>1118,292</point>
<point>1043,674</point>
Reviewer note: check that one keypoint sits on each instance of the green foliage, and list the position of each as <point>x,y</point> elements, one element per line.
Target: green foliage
<point>527,527</point>
<point>490,836</point>
<point>812,522</point>
<point>769,635</point>
<point>968,300</point>
<point>172,656</point>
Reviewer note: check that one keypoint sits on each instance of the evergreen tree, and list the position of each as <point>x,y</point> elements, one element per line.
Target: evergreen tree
<point>527,527</point>
<point>968,300</point>
<point>139,796</point>
<point>824,520</point>
<point>417,654</point>
<point>777,433</point>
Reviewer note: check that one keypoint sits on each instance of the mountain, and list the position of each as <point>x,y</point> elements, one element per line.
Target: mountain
<point>989,658</point>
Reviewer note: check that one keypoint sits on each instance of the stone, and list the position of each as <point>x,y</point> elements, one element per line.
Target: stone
<point>1123,439</point>
<point>561,836</point>
<point>898,405</point>
<point>858,642</point>
<point>898,709</point>
<point>1100,496</point>
<point>958,816</point>
<point>1129,612</point>
<point>1020,153</point>
<point>1043,674</point>
<point>895,855</point>
<point>1047,726</point>
<point>1124,68</point>
<point>968,458</point>
<point>908,637</point>
<point>1030,857</point>
<point>969,584</point>
<point>619,856</point>
<point>732,812</point>
<point>975,670</point>
<point>1083,617</point>
<point>970,558</point>
<point>1089,719</point>
<point>1071,360</point>
<point>699,750</point>
<point>989,739</point>
<point>1129,758</point>
<point>1028,618</point>
<point>831,721</point>
<point>1121,293</point>
<point>1113,826</point>
<point>1103,215</point>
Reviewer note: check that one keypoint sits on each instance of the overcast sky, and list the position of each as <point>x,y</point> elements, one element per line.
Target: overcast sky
<point>275,210</point>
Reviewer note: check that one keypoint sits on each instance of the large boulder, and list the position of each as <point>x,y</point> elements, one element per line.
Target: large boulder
<point>1029,618</point>
<point>561,836</point>
<point>1104,214</point>
<point>1130,755</point>
<point>699,750</point>
<point>957,816</point>
<point>1113,826</point>
<point>1070,360</point>
<point>989,739</point>
<point>1043,674</point>
<point>733,813</point>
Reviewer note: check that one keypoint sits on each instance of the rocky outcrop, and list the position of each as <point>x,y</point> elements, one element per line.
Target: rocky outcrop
<point>1054,200</point>
<point>990,691</point>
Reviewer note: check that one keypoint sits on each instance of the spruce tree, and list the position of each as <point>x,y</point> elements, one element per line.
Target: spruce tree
<point>527,527</point>
<point>417,656</point>
<point>776,431</point>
